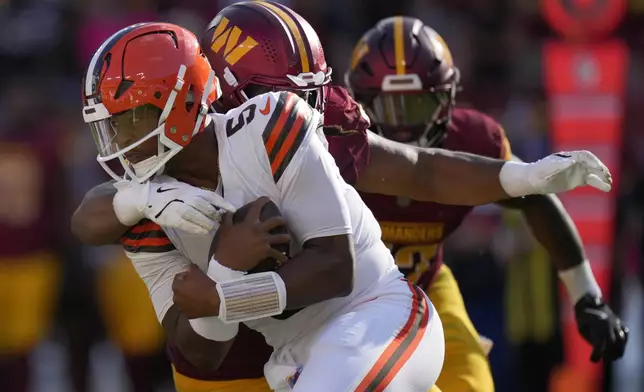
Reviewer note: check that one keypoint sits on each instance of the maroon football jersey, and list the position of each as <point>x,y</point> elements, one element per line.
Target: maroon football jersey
<point>415,231</point>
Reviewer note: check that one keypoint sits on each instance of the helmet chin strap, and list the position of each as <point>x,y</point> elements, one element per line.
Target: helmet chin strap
<point>203,108</point>
<point>146,165</point>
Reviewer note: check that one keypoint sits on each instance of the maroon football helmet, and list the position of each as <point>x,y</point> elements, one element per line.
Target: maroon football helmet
<point>402,72</point>
<point>255,47</point>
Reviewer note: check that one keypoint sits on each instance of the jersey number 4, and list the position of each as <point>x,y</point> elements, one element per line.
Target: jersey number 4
<point>245,117</point>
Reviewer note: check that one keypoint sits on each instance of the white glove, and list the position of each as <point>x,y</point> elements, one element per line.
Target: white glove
<point>556,173</point>
<point>169,203</point>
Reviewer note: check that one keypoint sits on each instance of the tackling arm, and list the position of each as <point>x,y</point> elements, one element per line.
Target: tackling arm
<point>94,221</point>
<point>157,262</point>
<point>431,174</point>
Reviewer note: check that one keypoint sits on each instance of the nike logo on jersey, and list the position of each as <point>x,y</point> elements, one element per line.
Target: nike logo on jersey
<point>563,155</point>
<point>267,108</point>
<point>161,190</point>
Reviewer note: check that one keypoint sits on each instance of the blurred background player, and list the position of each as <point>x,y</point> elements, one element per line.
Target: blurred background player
<point>33,247</point>
<point>402,72</point>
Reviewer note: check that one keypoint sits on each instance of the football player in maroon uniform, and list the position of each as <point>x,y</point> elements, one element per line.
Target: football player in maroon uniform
<point>249,46</point>
<point>403,74</point>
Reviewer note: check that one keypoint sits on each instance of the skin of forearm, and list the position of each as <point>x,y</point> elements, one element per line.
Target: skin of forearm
<point>317,274</point>
<point>457,178</point>
<point>204,354</point>
<point>94,221</point>
<point>552,227</point>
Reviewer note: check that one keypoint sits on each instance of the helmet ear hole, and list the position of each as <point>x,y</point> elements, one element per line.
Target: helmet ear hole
<point>190,98</point>
<point>123,86</point>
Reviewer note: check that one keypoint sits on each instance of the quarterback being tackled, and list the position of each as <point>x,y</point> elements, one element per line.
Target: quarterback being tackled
<point>370,162</point>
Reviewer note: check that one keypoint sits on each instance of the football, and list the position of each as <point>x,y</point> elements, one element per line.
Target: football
<point>269,210</point>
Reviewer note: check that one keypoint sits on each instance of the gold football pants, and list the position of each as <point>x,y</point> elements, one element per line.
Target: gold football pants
<point>466,368</point>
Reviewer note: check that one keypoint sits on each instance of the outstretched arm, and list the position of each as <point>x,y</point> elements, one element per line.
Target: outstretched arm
<point>458,178</point>
<point>430,174</point>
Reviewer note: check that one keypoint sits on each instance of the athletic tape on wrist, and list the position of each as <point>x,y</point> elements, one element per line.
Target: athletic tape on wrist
<point>515,179</point>
<point>579,281</point>
<point>220,273</point>
<point>251,297</point>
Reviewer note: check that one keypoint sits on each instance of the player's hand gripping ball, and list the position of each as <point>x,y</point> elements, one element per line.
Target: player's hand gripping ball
<point>253,239</point>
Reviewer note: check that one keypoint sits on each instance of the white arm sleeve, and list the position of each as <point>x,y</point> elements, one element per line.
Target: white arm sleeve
<point>312,193</point>
<point>157,270</point>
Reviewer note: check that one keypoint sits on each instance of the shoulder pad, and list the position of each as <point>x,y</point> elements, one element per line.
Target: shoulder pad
<point>475,132</point>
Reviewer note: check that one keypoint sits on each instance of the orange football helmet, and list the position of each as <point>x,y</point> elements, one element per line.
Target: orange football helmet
<point>147,80</point>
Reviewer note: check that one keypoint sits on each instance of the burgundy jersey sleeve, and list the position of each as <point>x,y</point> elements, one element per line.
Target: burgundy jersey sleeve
<point>342,114</point>
<point>351,154</point>
<point>477,133</point>
<point>345,125</point>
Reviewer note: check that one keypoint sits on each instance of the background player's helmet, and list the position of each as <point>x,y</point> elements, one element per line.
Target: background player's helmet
<point>255,47</point>
<point>402,72</point>
<point>147,86</point>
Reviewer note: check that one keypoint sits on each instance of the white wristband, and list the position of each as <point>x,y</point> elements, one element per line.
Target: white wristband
<point>515,179</point>
<point>212,328</point>
<point>251,297</point>
<point>579,281</point>
<point>220,273</point>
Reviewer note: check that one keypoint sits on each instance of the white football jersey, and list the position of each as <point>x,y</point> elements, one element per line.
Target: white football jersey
<point>272,146</point>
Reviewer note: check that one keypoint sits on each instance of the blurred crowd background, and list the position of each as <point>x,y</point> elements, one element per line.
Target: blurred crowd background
<point>75,318</point>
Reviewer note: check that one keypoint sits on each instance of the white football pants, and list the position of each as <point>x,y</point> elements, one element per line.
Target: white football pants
<point>392,342</point>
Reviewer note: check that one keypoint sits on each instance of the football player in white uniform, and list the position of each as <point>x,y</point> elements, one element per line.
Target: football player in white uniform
<point>146,96</point>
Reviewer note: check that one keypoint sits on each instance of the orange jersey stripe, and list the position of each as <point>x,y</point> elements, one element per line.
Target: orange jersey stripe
<point>146,242</point>
<point>275,132</point>
<point>288,144</point>
<point>285,131</point>
<point>145,226</point>
<point>147,236</point>
<point>401,348</point>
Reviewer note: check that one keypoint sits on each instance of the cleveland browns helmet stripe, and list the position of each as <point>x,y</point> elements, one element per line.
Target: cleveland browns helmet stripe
<point>96,63</point>
<point>295,31</point>
<point>399,45</point>
<point>400,349</point>
<point>148,237</point>
<point>285,131</point>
